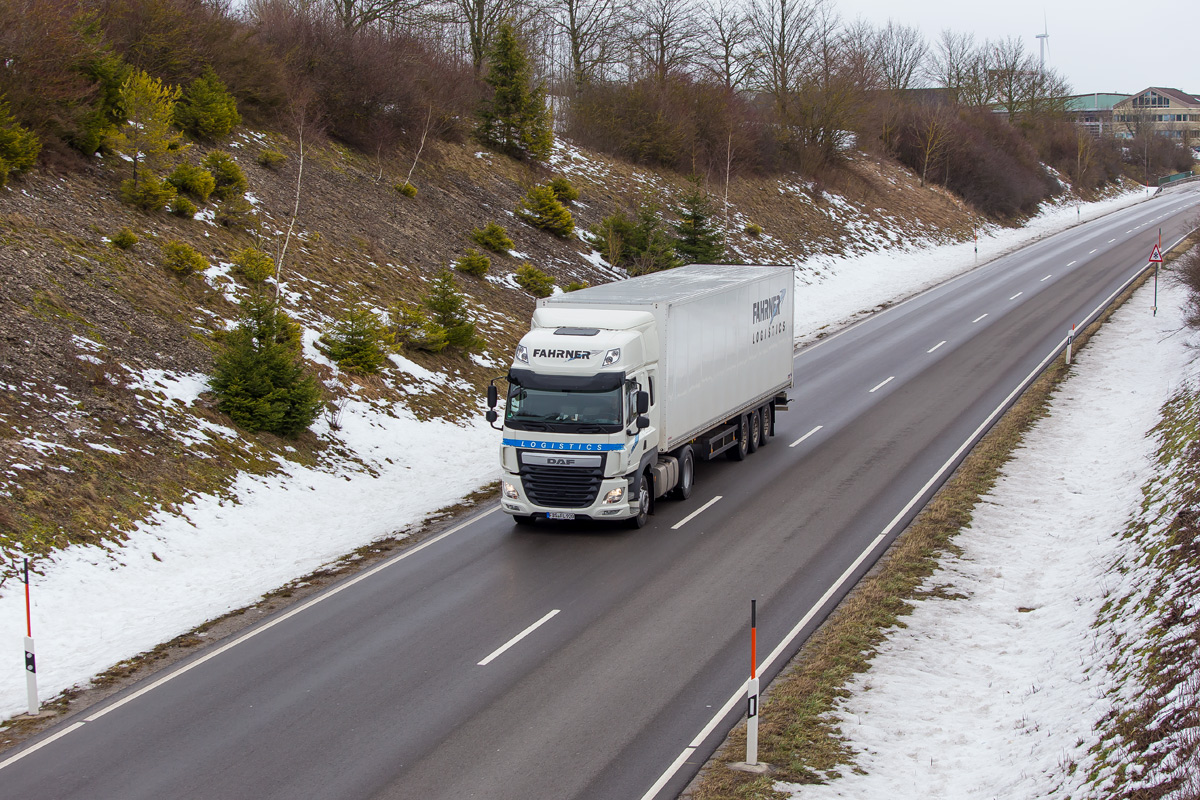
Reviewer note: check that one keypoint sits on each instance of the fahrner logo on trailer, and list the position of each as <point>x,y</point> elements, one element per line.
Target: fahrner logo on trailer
<point>769,308</point>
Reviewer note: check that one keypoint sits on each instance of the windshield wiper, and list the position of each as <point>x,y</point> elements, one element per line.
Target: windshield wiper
<point>530,424</point>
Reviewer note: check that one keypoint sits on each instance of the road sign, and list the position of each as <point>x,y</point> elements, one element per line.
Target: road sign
<point>1156,255</point>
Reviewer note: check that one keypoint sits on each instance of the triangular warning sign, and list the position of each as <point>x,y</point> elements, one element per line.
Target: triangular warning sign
<point>1156,255</point>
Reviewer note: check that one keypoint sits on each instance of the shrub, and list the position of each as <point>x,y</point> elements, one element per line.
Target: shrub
<point>182,207</point>
<point>19,147</point>
<point>542,209</point>
<point>449,312</point>
<point>124,239</point>
<point>358,342</point>
<point>575,286</point>
<point>413,328</point>
<point>147,192</point>
<point>230,180</point>
<point>183,259</point>
<point>752,229</point>
<point>492,237</point>
<point>534,281</point>
<point>235,213</point>
<point>196,182</point>
<point>207,110</point>
<point>259,379</point>
<point>253,264</point>
<point>406,189</point>
<point>563,190</point>
<point>640,245</point>
<point>473,263</point>
<point>271,159</point>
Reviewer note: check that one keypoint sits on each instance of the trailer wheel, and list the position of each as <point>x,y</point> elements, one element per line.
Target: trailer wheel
<point>687,473</point>
<point>743,440</point>
<point>644,500</point>
<point>768,425</point>
<point>755,430</point>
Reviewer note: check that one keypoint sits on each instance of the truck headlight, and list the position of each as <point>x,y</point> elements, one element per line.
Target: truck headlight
<point>510,491</point>
<point>522,354</point>
<point>612,357</point>
<point>615,496</point>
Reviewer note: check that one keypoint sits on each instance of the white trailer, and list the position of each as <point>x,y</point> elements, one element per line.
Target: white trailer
<point>618,390</point>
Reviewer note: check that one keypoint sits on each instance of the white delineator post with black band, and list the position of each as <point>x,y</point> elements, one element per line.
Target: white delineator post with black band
<point>752,691</point>
<point>30,656</point>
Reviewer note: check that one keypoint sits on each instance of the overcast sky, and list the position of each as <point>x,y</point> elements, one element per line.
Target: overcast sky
<point>1098,47</point>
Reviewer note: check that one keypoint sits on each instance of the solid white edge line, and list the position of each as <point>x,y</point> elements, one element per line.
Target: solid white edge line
<point>881,385</point>
<point>13,759</point>
<point>504,647</point>
<point>936,346</point>
<point>695,513</point>
<point>251,634</point>
<point>805,436</point>
<point>787,641</point>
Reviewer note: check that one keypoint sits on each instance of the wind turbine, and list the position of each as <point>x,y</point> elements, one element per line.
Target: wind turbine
<point>1043,38</point>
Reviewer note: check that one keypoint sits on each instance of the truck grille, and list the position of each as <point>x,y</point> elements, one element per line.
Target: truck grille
<point>561,487</point>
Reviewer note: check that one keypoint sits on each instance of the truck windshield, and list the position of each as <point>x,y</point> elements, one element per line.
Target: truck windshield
<point>563,410</point>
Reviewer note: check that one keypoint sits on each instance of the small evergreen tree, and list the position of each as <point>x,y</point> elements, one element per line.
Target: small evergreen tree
<point>147,138</point>
<point>230,180</point>
<point>492,237</point>
<point>259,379</point>
<point>194,181</point>
<point>183,259</point>
<point>449,310</point>
<point>413,328</point>
<point>19,147</point>
<point>473,263</point>
<point>358,342</point>
<point>207,111</point>
<point>640,245</point>
<point>534,281</point>
<point>563,190</point>
<point>252,263</point>
<point>542,209</point>
<point>516,119</point>
<point>697,240</point>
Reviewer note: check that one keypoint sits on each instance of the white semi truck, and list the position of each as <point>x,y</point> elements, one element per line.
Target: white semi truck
<point>618,390</point>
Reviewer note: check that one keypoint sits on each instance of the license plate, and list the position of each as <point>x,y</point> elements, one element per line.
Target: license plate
<point>559,515</point>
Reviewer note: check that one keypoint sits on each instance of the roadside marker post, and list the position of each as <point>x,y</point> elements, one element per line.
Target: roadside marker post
<point>1156,260</point>
<point>752,691</point>
<point>1070,341</point>
<point>30,658</point>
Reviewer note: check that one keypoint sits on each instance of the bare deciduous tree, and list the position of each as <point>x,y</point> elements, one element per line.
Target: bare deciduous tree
<point>663,34</point>
<point>592,30</point>
<point>725,53</point>
<point>949,63</point>
<point>901,53</point>
<point>782,40</point>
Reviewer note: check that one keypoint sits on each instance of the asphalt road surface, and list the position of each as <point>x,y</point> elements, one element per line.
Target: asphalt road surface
<point>593,662</point>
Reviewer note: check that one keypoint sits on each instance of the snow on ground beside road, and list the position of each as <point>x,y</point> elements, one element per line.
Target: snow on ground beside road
<point>993,695</point>
<point>95,606</point>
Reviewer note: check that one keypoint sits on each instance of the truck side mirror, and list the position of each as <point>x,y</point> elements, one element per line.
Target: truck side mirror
<point>642,423</point>
<point>491,416</point>
<point>643,402</point>
<point>493,397</point>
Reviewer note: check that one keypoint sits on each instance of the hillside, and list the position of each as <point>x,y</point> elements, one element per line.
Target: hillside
<point>89,329</point>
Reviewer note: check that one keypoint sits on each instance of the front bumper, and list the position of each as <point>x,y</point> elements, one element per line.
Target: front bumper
<point>521,505</point>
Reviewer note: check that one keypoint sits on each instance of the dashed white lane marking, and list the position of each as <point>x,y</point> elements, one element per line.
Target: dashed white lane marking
<point>1015,296</point>
<point>695,513</point>
<point>936,346</point>
<point>500,650</point>
<point>805,436</point>
<point>981,316</point>
<point>885,383</point>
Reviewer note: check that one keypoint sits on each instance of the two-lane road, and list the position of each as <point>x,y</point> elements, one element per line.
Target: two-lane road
<point>558,662</point>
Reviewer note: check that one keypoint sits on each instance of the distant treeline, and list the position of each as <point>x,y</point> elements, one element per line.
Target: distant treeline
<point>713,89</point>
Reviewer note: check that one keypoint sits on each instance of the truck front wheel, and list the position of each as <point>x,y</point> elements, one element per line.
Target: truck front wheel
<point>640,519</point>
<point>687,473</point>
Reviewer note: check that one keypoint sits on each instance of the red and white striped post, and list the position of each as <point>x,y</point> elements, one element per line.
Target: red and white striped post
<point>30,661</point>
<point>752,691</point>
